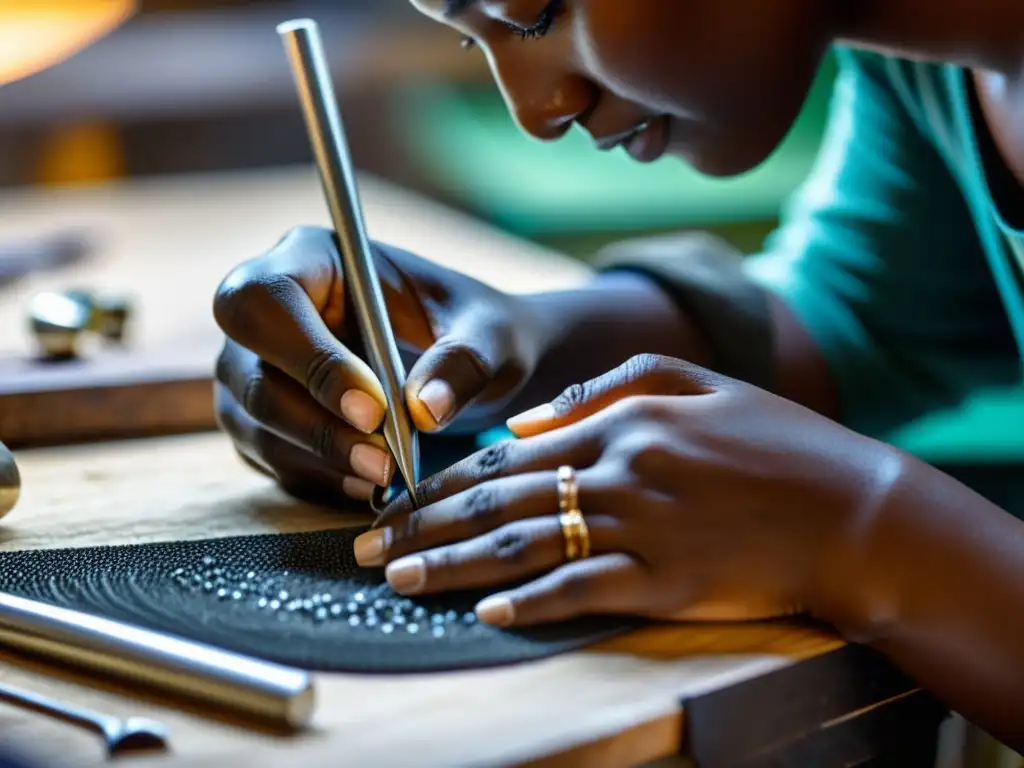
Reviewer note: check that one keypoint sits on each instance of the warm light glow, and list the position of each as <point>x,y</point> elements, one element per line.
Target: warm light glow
<point>36,34</point>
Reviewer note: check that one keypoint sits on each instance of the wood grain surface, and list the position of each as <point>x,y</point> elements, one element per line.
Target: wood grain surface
<point>167,245</point>
<point>618,703</point>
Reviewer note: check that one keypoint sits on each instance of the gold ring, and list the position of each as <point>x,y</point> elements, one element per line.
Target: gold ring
<point>568,489</point>
<point>575,532</point>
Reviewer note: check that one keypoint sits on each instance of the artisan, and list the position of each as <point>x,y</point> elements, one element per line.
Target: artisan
<point>711,428</point>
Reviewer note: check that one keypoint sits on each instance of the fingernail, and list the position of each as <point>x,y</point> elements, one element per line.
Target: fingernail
<point>439,398</point>
<point>362,411</point>
<point>407,575</point>
<point>532,417</point>
<point>369,547</point>
<point>497,611</point>
<point>372,463</point>
<point>358,489</point>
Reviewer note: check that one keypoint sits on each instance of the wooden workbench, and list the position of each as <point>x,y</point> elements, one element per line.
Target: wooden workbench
<point>721,695</point>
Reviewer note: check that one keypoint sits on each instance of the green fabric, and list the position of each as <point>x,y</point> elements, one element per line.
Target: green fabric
<point>893,254</point>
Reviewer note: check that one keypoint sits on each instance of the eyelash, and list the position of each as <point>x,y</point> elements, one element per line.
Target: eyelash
<point>543,24</point>
<point>534,32</point>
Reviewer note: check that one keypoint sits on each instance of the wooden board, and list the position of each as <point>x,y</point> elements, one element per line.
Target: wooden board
<point>616,704</point>
<point>621,703</point>
<point>167,244</point>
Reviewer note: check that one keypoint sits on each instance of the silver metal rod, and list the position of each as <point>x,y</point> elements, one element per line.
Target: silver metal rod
<point>327,135</point>
<point>200,672</point>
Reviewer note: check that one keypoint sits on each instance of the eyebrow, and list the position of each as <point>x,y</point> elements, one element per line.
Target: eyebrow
<point>455,7</point>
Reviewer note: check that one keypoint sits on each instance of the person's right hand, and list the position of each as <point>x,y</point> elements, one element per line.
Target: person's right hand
<point>295,396</point>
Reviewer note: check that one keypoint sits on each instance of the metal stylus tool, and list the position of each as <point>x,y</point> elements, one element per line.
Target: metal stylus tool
<point>327,135</point>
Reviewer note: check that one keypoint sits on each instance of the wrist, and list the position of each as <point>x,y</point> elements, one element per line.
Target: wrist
<point>850,589</point>
<point>616,315</point>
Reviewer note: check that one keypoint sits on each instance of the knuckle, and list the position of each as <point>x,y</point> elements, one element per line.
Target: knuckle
<point>442,560</point>
<point>493,462</point>
<point>254,399</point>
<point>646,454</point>
<point>507,545</point>
<point>432,488</point>
<point>223,367</point>
<point>322,375</point>
<point>572,397</point>
<point>226,297</point>
<point>643,366</point>
<point>323,440</point>
<point>480,506</point>
<point>660,373</point>
<point>409,529</point>
<point>234,297</point>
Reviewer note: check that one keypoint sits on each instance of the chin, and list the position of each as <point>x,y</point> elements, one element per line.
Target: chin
<point>722,154</point>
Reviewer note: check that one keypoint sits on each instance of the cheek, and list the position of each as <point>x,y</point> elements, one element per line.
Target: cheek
<point>735,72</point>
<point>631,52</point>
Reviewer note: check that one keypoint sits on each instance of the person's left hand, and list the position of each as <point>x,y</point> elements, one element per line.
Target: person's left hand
<point>705,499</point>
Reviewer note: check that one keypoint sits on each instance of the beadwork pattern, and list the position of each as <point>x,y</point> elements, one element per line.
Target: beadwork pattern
<point>297,599</point>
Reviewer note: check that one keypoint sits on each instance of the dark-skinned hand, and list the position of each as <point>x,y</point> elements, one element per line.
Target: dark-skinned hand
<point>706,499</point>
<point>292,390</point>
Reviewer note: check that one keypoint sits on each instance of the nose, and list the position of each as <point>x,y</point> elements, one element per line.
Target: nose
<point>544,105</point>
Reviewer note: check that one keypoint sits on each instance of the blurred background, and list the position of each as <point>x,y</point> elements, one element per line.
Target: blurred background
<point>184,86</point>
<point>202,85</point>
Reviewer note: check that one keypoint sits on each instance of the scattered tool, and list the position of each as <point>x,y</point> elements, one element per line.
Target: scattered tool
<point>231,681</point>
<point>10,481</point>
<point>59,321</point>
<point>131,735</point>
<point>330,148</point>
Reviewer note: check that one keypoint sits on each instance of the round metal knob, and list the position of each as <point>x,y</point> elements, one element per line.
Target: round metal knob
<point>60,320</point>
<point>10,481</point>
<point>110,317</point>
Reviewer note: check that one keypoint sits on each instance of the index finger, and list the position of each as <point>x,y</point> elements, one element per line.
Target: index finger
<point>278,306</point>
<point>579,445</point>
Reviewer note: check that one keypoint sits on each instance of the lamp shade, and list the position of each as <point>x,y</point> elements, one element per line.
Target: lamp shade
<point>36,34</point>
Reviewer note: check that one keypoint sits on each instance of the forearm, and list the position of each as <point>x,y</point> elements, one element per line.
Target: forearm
<point>595,328</point>
<point>934,578</point>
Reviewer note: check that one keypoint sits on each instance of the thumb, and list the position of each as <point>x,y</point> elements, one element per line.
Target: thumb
<point>638,376</point>
<point>475,353</point>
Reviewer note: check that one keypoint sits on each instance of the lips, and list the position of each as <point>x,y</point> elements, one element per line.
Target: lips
<point>649,144</point>
<point>608,143</point>
<point>645,142</point>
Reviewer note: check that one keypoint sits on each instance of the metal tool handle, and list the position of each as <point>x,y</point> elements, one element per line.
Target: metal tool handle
<point>330,147</point>
<point>83,718</point>
<point>227,680</point>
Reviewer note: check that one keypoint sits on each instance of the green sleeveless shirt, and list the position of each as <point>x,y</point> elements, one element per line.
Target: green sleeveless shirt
<point>894,254</point>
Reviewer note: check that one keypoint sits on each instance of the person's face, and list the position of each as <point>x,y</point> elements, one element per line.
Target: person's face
<point>718,82</point>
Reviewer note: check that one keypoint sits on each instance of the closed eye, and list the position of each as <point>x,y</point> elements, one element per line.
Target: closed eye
<point>543,23</point>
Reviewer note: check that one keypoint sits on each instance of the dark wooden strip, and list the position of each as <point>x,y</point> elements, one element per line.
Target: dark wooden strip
<point>730,726</point>
<point>116,398</point>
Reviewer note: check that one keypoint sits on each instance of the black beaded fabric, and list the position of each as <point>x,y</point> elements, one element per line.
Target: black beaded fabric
<point>296,599</point>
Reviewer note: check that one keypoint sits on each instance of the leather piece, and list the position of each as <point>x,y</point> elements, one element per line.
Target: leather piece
<point>297,599</point>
